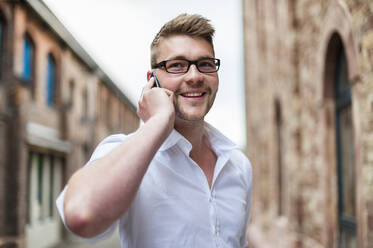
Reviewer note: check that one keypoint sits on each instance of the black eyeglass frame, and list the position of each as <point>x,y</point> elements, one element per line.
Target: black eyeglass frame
<point>190,62</point>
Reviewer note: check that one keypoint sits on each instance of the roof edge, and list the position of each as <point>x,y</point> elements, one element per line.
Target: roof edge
<point>56,25</point>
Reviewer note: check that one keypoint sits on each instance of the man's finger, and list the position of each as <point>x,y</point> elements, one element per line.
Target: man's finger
<point>168,92</point>
<point>149,84</point>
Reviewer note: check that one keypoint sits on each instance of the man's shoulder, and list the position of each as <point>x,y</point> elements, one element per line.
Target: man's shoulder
<point>242,164</point>
<point>114,138</point>
<point>107,145</point>
<point>112,141</point>
<point>239,157</point>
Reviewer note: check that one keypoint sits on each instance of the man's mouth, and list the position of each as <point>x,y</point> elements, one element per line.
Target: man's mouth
<point>194,94</point>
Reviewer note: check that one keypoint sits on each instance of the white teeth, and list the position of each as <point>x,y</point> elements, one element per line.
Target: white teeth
<point>192,94</point>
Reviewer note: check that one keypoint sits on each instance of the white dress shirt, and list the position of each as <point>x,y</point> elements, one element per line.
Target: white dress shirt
<point>175,207</point>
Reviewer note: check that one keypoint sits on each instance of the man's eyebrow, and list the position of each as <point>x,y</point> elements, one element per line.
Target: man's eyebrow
<point>183,57</point>
<point>178,57</point>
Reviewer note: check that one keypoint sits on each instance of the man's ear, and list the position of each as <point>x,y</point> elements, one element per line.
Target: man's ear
<point>148,75</point>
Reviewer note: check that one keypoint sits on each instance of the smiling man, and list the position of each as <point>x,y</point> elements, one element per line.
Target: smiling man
<point>176,181</point>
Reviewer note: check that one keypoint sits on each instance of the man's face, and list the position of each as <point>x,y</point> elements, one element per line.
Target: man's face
<point>194,91</point>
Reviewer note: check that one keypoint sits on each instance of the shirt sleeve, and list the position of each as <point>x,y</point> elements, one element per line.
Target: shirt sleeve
<point>243,240</point>
<point>106,146</point>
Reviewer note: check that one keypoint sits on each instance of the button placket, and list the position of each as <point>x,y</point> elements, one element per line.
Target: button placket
<point>212,196</point>
<point>215,217</point>
<point>217,237</point>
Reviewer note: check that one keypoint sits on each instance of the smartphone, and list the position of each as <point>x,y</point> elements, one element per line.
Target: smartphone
<point>156,82</point>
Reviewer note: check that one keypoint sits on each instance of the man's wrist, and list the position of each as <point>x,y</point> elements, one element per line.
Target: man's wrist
<point>164,120</point>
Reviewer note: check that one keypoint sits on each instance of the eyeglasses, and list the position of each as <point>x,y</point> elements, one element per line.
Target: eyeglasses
<point>178,66</point>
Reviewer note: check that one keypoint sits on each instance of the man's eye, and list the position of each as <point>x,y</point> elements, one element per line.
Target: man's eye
<point>175,65</point>
<point>206,64</point>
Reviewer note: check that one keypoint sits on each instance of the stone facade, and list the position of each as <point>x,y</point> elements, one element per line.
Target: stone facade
<point>290,60</point>
<point>42,144</point>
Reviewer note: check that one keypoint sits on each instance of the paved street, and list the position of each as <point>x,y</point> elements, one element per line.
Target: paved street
<point>110,243</point>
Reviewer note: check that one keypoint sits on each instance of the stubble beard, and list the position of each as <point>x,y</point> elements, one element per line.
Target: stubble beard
<point>184,115</point>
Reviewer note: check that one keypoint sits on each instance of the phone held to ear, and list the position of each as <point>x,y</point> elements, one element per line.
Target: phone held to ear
<point>156,82</point>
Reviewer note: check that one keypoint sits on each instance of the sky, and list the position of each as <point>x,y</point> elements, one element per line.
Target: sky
<point>117,35</point>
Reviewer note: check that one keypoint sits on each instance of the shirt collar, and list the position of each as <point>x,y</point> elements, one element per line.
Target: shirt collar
<point>171,140</point>
<point>217,140</point>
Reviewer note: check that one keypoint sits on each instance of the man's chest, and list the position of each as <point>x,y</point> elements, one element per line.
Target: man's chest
<point>175,198</point>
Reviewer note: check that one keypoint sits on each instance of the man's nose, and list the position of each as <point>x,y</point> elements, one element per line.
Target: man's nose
<point>194,75</point>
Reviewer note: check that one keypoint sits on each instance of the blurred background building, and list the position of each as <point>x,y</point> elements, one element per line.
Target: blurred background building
<point>309,111</point>
<point>56,105</point>
<point>309,98</point>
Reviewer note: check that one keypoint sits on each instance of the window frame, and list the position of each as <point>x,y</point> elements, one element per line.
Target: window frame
<point>279,126</point>
<point>28,57</point>
<point>51,81</point>
<point>2,43</point>
<point>343,101</point>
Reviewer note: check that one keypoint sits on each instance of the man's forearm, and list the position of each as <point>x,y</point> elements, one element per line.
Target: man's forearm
<point>99,194</point>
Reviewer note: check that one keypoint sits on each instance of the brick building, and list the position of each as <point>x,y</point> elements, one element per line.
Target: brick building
<point>56,105</point>
<point>309,70</point>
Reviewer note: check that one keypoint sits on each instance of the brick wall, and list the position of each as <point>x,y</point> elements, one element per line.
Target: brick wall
<point>287,61</point>
<point>73,119</point>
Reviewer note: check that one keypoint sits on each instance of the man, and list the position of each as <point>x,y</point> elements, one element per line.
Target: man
<point>176,181</point>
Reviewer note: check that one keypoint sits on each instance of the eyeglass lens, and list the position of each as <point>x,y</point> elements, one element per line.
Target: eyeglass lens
<point>181,65</point>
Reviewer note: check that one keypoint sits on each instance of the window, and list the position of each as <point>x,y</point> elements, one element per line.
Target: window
<point>71,93</point>
<point>100,102</point>
<point>108,108</point>
<point>44,184</point>
<point>51,191</point>
<point>85,104</point>
<point>279,139</point>
<point>2,29</point>
<point>44,181</point>
<point>121,117</point>
<point>86,152</point>
<point>345,155</point>
<point>51,81</point>
<point>28,58</point>
<point>35,180</point>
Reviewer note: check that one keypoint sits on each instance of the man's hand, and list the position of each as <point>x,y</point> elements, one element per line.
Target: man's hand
<point>157,102</point>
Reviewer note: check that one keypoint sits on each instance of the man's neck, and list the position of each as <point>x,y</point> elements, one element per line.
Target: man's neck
<point>193,131</point>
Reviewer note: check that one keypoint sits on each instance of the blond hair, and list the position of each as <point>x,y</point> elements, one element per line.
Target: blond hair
<point>191,25</point>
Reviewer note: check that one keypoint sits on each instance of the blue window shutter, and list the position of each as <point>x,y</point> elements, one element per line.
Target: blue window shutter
<point>51,77</point>
<point>27,59</point>
<point>1,42</point>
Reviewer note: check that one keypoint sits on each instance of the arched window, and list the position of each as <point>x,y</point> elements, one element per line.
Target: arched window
<point>28,58</point>
<point>2,39</point>
<point>345,154</point>
<point>51,81</point>
<point>279,141</point>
